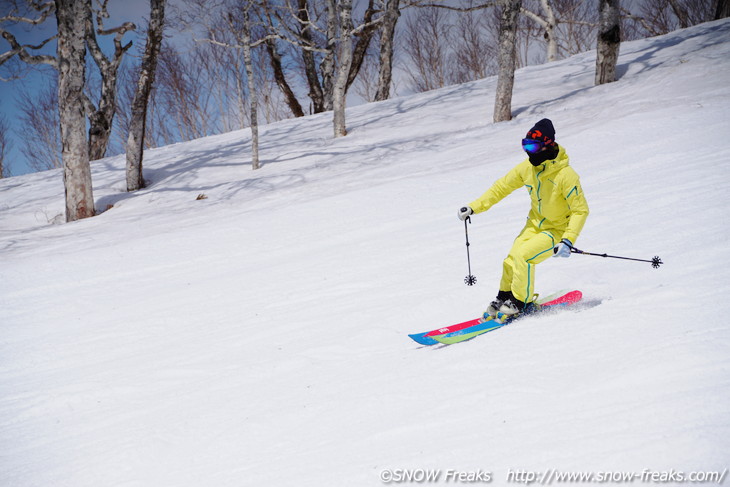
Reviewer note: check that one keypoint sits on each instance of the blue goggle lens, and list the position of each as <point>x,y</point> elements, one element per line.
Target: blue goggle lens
<point>532,146</point>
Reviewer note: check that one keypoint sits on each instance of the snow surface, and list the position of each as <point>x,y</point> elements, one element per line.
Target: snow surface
<point>259,336</point>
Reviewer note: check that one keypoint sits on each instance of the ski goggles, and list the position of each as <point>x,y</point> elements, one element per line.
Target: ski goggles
<point>531,146</point>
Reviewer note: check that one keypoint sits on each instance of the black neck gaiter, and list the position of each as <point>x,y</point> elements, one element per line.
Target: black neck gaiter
<point>545,155</point>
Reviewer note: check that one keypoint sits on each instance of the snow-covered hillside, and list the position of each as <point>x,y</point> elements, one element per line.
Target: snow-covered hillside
<point>258,337</point>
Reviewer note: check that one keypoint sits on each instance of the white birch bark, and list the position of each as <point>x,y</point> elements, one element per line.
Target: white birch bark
<point>343,67</point>
<point>138,123</point>
<point>387,37</point>
<point>101,118</point>
<point>327,66</point>
<point>550,24</point>
<point>609,41</point>
<point>507,59</point>
<point>252,94</point>
<point>551,28</point>
<point>71,16</point>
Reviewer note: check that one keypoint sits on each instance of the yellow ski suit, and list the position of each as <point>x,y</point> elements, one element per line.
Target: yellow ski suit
<point>559,210</point>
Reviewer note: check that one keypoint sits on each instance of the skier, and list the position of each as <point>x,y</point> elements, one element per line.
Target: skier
<point>557,215</point>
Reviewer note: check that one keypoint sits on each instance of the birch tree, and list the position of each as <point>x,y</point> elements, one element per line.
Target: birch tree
<point>240,26</point>
<point>138,122</point>
<point>567,26</point>
<point>4,146</point>
<point>507,59</point>
<point>609,41</point>
<point>71,16</point>
<point>40,11</point>
<point>549,22</point>
<point>344,62</point>
<point>248,63</point>
<point>101,117</point>
<point>387,40</point>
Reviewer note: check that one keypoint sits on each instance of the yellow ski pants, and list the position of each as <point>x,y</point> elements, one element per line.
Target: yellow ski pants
<point>532,246</point>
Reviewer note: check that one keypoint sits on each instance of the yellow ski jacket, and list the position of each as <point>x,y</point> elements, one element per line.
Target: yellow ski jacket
<point>558,203</point>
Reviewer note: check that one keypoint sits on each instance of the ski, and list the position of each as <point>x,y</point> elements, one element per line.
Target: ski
<point>504,320</point>
<point>469,329</point>
<point>425,337</point>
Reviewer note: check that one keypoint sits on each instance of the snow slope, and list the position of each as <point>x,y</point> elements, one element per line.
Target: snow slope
<point>259,336</point>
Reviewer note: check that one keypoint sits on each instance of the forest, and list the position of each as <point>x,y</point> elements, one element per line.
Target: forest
<point>95,80</point>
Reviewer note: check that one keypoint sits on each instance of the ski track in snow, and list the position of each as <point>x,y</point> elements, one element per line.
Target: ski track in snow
<point>259,336</point>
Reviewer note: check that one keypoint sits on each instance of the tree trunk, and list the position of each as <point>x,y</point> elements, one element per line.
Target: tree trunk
<point>723,9</point>
<point>362,44</point>
<point>551,32</point>
<point>310,66</point>
<point>550,24</point>
<point>327,66</point>
<point>681,12</point>
<point>102,118</point>
<point>138,124</point>
<point>343,67</point>
<point>4,146</point>
<point>280,78</point>
<point>252,96</point>
<point>385,74</point>
<point>71,17</point>
<point>100,121</point>
<point>507,59</point>
<point>609,41</point>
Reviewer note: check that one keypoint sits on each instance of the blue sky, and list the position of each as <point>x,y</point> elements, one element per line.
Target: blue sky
<point>120,11</point>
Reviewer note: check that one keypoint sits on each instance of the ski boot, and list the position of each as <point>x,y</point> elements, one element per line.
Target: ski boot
<point>512,308</point>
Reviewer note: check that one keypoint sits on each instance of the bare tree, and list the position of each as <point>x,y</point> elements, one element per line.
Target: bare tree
<point>71,17</point>
<point>305,33</point>
<point>366,84</point>
<point>316,37</point>
<point>363,36</point>
<point>577,25</point>
<point>507,57</point>
<point>681,12</point>
<point>248,62</point>
<point>528,32</point>
<point>5,145</point>
<point>101,117</point>
<point>425,45</point>
<point>41,141</point>
<point>549,23</point>
<point>387,40</point>
<point>474,46</point>
<point>567,26</point>
<point>663,16</point>
<point>41,12</point>
<point>275,59</point>
<point>609,41</point>
<point>183,89</point>
<point>138,124</point>
<point>722,9</point>
<point>344,9</point>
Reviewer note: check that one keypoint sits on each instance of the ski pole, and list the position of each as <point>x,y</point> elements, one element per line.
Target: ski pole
<point>655,262</point>
<point>470,280</point>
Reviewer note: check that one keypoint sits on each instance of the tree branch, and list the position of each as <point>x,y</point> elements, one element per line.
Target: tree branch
<point>18,49</point>
<point>45,10</point>
<point>482,6</point>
